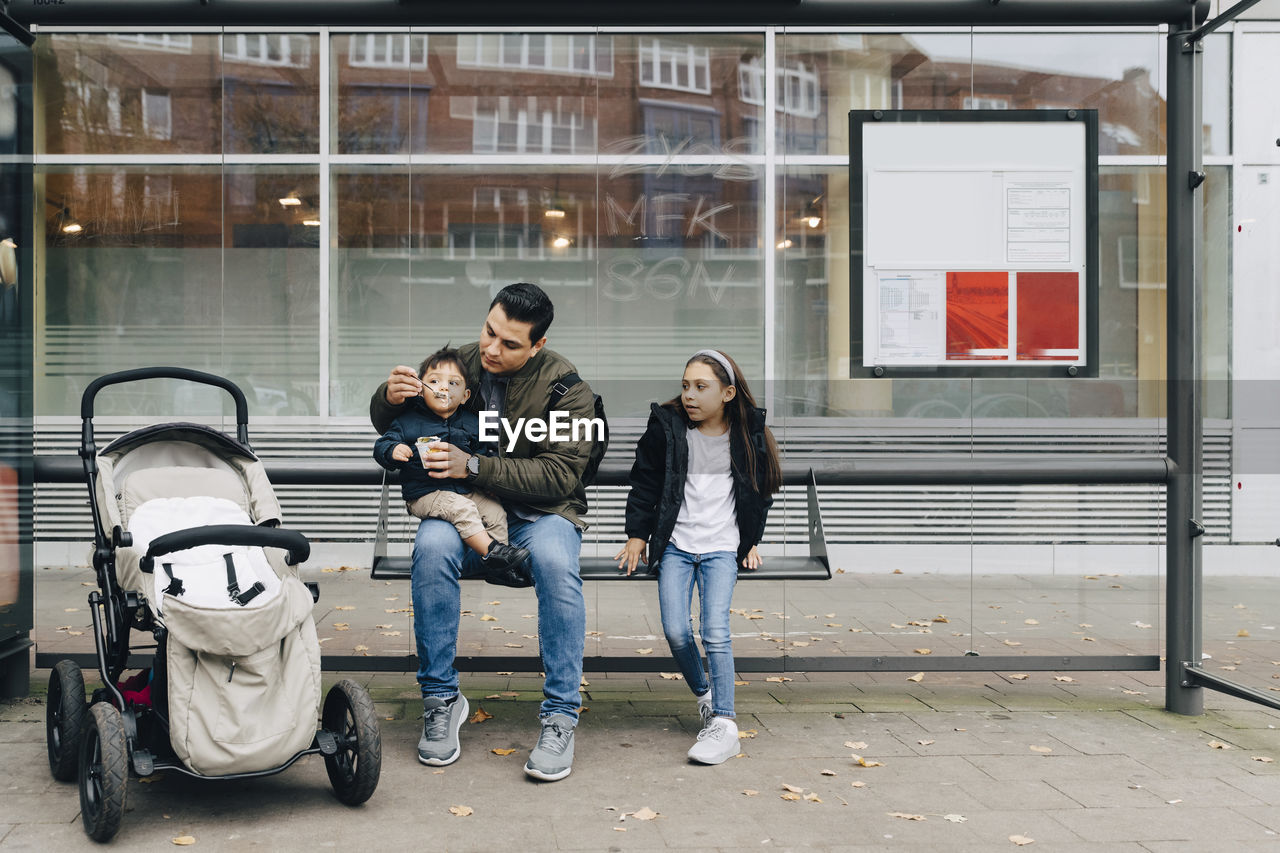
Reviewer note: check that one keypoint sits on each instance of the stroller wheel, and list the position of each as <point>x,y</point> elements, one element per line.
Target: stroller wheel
<point>104,772</point>
<point>65,716</point>
<point>354,769</point>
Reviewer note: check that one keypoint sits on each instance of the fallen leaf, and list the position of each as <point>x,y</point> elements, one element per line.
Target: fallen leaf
<point>827,772</point>
<point>777,679</point>
<point>797,644</point>
<point>917,678</point>
<point>75,610</point>
<point>741,683</point>
<point>361,648</point>
<point>955,818</point>
<point>1012,643</point>
<point>812,797</point>
<point>340,626</point>
<point>906,816</point>
<point>1263,759</point>
<point>488,618</point>
<point>923,651</point>
<point>897,571</point>
<point>344,607</point>
<point>858,784</point>
<point>793,789</point>
<point>941,618</point>
<point>644,651</point>
<point>744,734</point>
<point>184,840</point>
<point>1065,678</point>
<point>856,744</point>
<point>1134,692</point>
<point>672,676</point>
<point>492,603</point>
<point>1021,840</point>
<point>75,633</point>
<point>924,742</point>
<point>1030,621</point>
<point>866,762</point>
<point>480,716</point>
<point>1019,677</point>
<point>1041,749</point>
<point>1242,633</point>
<point>510,693</point>
<point>1217,744</point>
<point>1088,639</point>
<point>645,813</point>
<point>382,626</point>
<point>461,811</point>
<point>496,751</point>
<point>789,796</point>
<point>390,633</point>
<point>514,645</point>
<point>834,625</point>
<point>751,792</point>
<point>1141,624</point>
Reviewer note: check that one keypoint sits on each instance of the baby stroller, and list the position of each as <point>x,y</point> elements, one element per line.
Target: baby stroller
<point>187,550</point>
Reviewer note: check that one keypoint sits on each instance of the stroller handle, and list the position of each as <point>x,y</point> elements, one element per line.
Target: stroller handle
<point>242,405</point>
<point>297,546</point>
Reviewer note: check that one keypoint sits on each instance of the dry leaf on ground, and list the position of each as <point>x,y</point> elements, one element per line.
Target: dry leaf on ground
<point>812,797</point>
<point>184,840</point>
<point>672,676</point>
<point>1263,759</point>
<point>833,773</point>
<point>497,751</point>
<point>1064,678</point>
<point>795,789</point>
<point>789,796</point>
<point>866,762</point>
<point>1021,840</point>
<point>750,792</point>
<point>1041,749</point>
<point>461,811</point>
<point>858,784</point>
<point>917,678</point>
<point>644,813</point>
<point>1019,677</point>
<point>1242,633</point>
<point>1217,744</point>
<point>954,818</point>
<point>924,742</point>
<point>644,651</point>
<point>488,618</point>
<point>480,716</point>
<point>923,651</point>
<point>856,744</point>
<point>906,816</point>
<point>743,734</point>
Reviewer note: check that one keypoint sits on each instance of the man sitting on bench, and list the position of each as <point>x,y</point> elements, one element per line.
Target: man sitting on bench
<point>538,476</point>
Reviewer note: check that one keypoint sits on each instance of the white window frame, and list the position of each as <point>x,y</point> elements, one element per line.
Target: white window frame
<point>526,113</point>
<point>985,102</point>
<point>799,93</point>
<point>379,50</point>
<point>489,50</point>
<point>236,48</point>
<point>659,57</point>
<point>168,42</point>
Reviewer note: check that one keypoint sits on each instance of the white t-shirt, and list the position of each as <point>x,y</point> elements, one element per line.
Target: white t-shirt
<point>708,519</point>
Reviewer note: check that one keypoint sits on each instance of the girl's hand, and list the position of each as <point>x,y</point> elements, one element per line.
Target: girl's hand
<point>402,453</point>
<point>752,561</point>
<point>631,553</point>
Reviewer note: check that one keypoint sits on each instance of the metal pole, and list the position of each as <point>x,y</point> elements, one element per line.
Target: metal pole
<point>1185,446</point>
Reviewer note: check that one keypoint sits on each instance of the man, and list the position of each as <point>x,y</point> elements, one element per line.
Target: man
<point>540,483</point>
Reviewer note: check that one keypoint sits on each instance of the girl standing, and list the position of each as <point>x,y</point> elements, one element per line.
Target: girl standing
<point>702,483</point>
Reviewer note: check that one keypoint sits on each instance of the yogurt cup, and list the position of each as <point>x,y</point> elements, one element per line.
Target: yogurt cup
<point>424,447</point>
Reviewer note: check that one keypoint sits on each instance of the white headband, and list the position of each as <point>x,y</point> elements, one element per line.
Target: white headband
<point>724,362</point>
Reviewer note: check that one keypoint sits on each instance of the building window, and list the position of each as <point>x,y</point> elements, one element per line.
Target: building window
<point>666,64</point>
<point>157,115</point>
<point>527,125</point>
<point>171,42</point>
<point>268,49</point>
<point>798,90</point>
<point>985,103</point>
<point>575,53</point>
<point>388,50</point>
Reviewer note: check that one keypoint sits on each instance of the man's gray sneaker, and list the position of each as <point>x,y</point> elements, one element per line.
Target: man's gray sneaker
<point>441,720</point>
<point>552,758</point>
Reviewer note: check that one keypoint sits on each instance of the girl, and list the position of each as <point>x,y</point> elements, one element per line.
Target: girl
<point>701,486</point>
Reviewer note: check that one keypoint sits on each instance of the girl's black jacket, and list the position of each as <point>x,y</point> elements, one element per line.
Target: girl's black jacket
<point>658,478</point>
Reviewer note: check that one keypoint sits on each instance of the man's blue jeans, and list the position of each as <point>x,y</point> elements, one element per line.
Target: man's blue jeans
<point>440,559</point>
<point>715,574</point>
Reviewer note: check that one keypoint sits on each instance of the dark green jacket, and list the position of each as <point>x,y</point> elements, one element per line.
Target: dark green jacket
<point>545,475</point>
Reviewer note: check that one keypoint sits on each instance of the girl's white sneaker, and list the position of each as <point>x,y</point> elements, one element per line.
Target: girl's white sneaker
<point>717,742</point>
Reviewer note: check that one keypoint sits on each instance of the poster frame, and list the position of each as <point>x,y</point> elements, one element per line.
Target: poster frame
<point>858,232</point>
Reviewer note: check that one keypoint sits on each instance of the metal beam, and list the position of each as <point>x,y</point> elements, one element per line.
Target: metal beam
<point>1184,175</point>
<point>354,13</point>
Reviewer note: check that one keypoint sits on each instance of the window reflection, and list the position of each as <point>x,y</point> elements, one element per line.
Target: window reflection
<point>271,89</point>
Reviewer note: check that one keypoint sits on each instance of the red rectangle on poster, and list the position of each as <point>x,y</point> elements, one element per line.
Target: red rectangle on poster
<point>977,315</point>
<point>1048,316</point>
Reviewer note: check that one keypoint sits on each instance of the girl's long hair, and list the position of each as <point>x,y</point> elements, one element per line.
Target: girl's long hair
<point>738,412</point>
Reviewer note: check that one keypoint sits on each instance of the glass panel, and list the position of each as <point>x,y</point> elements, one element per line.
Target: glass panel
<point>1118,74</point>
<point>381,93</point>
<point>129,94</point>
<point>135,277</point>
<point>272,93</point>
<point>680,94</point>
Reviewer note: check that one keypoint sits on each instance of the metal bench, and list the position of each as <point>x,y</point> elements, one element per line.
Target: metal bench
<point>815,566</point>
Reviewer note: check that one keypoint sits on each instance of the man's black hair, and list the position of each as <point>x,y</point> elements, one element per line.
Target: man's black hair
<point>445,355</point>
<point>527,303</point>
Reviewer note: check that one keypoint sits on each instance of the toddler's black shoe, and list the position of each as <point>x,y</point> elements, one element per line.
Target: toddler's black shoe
<point>507,565</point>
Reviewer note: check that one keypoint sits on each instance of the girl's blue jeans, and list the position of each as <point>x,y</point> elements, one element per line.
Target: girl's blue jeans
<point>715,574</point>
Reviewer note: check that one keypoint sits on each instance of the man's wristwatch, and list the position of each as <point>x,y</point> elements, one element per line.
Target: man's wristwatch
<point>473,467</point>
